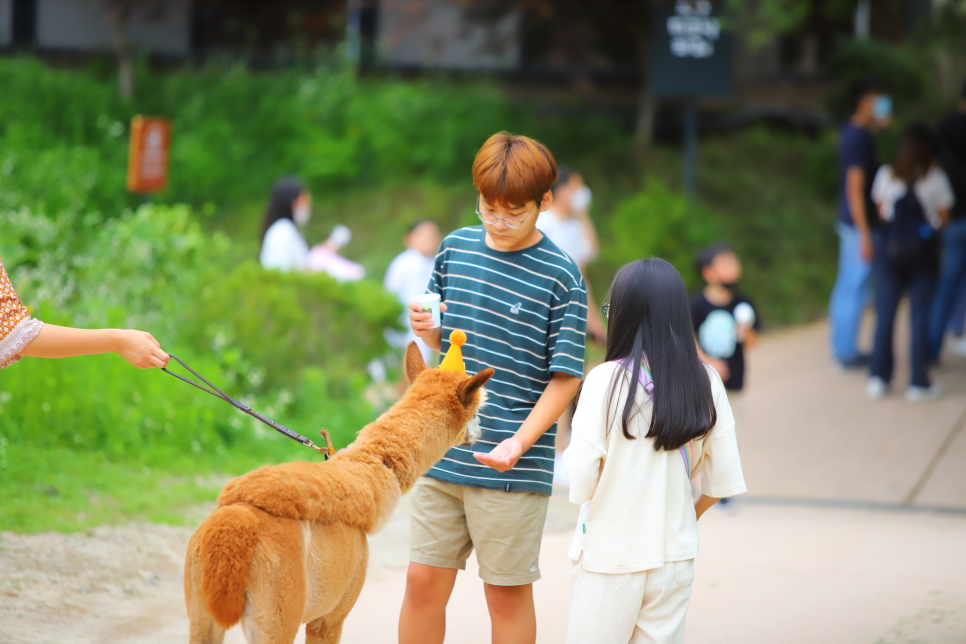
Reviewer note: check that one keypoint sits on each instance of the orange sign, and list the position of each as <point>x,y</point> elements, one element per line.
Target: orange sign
<point>147,168</point>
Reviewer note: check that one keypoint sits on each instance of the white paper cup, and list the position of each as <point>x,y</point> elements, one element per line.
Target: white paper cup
<point>430,303</point>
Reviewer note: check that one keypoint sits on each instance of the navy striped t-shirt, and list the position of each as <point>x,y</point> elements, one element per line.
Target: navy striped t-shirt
<point>524,313</point>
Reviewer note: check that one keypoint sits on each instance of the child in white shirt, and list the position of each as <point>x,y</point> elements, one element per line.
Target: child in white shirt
<point>647,420</point>
<point>408,275</point>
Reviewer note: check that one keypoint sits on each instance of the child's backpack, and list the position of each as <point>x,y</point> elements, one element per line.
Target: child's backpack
<point>910,241</point>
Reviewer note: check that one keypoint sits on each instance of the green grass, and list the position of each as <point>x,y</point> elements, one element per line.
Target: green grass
<point>61,489</point>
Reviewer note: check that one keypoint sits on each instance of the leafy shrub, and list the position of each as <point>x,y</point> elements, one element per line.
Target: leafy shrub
<point>280,324</point>
<point>658,222</point>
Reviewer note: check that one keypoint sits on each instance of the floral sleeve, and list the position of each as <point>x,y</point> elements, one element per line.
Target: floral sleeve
<point>17,328</point>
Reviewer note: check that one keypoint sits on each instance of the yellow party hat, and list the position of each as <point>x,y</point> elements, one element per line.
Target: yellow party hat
<point>454,357</point>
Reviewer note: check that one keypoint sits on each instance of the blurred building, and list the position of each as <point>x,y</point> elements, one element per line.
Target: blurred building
<point>279,31</point>
<point>595,50</point>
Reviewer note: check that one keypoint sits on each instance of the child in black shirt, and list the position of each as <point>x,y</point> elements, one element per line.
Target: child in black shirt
<point>725,322</point>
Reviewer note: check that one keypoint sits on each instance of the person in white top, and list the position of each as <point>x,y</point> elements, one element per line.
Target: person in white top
<point>913,197</point>
<point>289,209</point>
<point>567,223</point>
<point>408,275</point>
<point>648,420</point>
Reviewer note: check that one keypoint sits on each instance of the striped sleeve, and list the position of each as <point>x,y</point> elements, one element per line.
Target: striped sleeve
<point>568,325</point>
<point>435,280</point>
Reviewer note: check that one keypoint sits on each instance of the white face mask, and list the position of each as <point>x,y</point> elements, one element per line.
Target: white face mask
<point>301,215</point>
<point>581,199</point>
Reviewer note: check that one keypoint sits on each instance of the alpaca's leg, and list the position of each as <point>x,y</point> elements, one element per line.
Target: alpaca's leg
<point>276,587</point>
<point>202,629</point>
<point>328,628</point>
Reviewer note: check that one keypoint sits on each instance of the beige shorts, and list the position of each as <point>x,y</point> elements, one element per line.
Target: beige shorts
<point>506,528</point>
<point>645,607</point>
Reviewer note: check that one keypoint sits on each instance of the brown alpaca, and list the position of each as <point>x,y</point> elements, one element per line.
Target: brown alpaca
<point>287,544</point>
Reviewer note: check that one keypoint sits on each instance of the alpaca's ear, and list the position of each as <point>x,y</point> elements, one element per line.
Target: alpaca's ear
<point>467,388</point>
<point>415,364</point>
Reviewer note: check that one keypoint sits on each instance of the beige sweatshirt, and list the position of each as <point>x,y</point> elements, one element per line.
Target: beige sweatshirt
<point>636,507</point>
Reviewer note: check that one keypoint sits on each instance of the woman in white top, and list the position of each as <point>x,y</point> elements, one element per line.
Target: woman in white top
<point>647,420</point>
<point>289,209</point>
<point>907,257</point>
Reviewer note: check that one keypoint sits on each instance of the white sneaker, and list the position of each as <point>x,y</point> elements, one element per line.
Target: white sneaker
<point>876,388</point>
<point>924,394</point>
<point>957,345</point>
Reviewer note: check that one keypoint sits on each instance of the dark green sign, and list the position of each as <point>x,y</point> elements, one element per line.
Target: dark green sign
<point>691,56</point>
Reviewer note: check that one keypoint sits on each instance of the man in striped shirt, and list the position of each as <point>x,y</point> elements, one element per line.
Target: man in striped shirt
<point>523,305</point>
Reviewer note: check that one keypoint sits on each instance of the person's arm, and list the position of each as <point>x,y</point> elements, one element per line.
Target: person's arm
<point>550,406</point>
<point>942,193</point>
<point>703,503</point>
<point>750,332</point>
<point>137,347</point>
<point>719,365</point>
<point>568,327</point>
<point>595,321</point>
<point>855,196</point>
<point>750,337</point>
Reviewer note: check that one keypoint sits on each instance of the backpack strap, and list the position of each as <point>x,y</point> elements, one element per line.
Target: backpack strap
<point>647,381</point>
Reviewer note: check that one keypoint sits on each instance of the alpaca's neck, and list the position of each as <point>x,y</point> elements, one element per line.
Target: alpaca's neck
<point>385,443</point>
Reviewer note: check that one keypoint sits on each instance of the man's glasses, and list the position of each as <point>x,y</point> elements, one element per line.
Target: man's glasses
<point>605,308</point>
<point>490,218</point>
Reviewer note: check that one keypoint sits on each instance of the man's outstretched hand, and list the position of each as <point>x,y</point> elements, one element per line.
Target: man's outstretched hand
<point>504,456</point>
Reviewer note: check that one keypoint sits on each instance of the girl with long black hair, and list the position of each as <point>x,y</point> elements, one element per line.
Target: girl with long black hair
<point>648,419</point>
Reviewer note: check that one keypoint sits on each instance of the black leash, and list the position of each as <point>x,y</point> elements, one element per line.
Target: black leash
<point>282,429</point>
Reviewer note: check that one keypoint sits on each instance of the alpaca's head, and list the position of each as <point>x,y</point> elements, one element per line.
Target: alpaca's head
<point>437,412</point>
<point>459,395</point>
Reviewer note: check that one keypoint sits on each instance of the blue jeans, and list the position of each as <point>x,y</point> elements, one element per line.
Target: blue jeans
<point>952,281</point>
<point>850,294</point>
<point>890,283</point>
<point>956,324</point>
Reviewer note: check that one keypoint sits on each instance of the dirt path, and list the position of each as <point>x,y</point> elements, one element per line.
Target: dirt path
<point>118,584</point>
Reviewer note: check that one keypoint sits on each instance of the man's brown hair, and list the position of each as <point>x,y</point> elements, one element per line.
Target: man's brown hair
<point>511,170</point>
